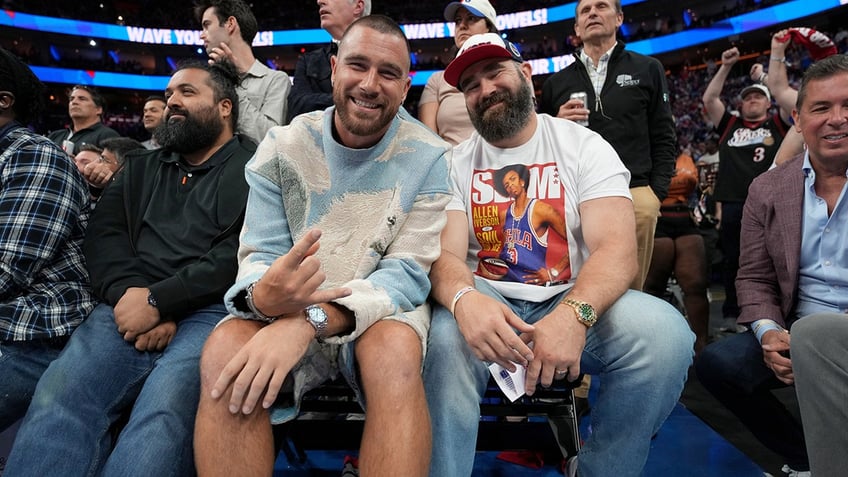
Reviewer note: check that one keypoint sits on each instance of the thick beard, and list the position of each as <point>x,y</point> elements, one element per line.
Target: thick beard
<point>515,113</point>
<point>197,131</point>
<point>359,126</point>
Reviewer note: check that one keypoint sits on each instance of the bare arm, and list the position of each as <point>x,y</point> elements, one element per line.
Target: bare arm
<point>778,80</point>
<point>712,95</point>
<point>427,115</point>
<point>792,145</point>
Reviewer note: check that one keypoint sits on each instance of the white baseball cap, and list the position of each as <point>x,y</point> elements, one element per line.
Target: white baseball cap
<point>480,47</point>
<point>478,8</point>
<point>755,87</point>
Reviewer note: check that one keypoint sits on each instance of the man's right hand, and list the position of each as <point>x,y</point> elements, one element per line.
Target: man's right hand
<point>574,110</point>
<point>260,367</point>
<point>489,328</point>
<point>730,57</point>
<point>291,283</point>
<point>775,344</point>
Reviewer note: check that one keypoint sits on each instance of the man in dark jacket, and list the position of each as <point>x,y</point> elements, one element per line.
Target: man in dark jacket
<point>627,104</point>
<point>161,250</point>
<point>311,88</point>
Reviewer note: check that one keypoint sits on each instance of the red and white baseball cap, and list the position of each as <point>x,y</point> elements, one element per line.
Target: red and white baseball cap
<point>478,8</point>
<point>480,47</point>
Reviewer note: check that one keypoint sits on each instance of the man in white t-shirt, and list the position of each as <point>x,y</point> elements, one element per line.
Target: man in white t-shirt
<point>543,317</point>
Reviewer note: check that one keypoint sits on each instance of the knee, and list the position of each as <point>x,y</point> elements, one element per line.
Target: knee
<point>221,345</point>
<point>389,352</point>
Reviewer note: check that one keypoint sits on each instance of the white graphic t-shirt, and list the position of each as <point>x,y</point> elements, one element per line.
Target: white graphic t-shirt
<point>525,233</point>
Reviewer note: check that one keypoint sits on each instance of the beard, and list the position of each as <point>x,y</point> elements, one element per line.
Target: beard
<point>513,115</point>
<point>358,125</point>
<point>198,130</point>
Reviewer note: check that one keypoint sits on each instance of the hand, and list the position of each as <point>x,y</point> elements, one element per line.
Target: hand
<point>779,42</point>
<point>262,364</point>
<point>222,52</point>
<point>558,343</point>
<point>157,338</point>
<point>489,328</point>
<point>134,315</point>
<point>574,110</point>
<point>291,283</point>
<point>757,72</point>
<point>775,342</point>
<point>97,174</point>
<point>730,57</point>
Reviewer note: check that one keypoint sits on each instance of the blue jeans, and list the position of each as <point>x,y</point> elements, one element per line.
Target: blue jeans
<point>733,370</point>
<point>96,379</point>
<point>641,348</point>
<point>21,365</point>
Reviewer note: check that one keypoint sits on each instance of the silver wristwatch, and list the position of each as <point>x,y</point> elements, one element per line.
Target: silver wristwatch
<point>317,317</point>
<point>248,298</point>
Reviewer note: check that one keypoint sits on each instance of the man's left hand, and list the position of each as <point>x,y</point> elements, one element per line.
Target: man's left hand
<point>558,342</point>
<point>157,338</point>
<point>134,315</point>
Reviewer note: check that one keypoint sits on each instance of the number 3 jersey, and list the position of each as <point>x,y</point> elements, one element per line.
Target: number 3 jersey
<point>746,150</point>
<point>523,203</point>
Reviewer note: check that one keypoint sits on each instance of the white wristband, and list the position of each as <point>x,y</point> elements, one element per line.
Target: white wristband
<point>459,294</point>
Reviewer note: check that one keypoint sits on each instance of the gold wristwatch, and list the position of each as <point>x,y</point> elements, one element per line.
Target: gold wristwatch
<point>584,311</point>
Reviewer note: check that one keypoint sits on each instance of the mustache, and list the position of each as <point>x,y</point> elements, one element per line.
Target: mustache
<point>180,111</point>
<point>494,98</point>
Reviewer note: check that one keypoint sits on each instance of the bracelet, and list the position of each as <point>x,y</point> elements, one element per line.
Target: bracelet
<point>458,295</point>
<point>780,60</point>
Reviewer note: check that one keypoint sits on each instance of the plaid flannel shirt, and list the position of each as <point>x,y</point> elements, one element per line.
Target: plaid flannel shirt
<point>44,207</point>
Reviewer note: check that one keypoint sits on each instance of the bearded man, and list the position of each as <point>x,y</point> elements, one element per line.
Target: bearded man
<point>161,251</point>
<point>574,314</point>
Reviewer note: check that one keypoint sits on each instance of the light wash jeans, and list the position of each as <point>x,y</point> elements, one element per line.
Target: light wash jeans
<point>98,377</point>
<point>640,348</point>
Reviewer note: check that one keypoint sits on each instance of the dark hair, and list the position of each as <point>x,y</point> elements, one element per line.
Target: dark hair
<point>223,78</point>
<point>380,24</point>
<point>822,69</point>
<point>18,79</point>
<point>520,169</point>
<point>615,3</point>
<point>156,97</point>
<point>120,146</point>
<point>225,9</point>
<point>90,147</point>
<point>96,97</point>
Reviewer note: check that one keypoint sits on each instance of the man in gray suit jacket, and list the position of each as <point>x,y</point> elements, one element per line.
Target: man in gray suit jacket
<point>793,268</point>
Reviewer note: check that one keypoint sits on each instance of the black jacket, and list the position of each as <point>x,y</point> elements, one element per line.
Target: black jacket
<point>312,88</point>
<point>634,114</point>
<point>201,278</point>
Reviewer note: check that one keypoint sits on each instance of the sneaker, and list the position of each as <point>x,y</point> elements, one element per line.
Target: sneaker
<point>570,467</point>
<point>351,467</point>
<point>729,325</point>
<point>795,473</point>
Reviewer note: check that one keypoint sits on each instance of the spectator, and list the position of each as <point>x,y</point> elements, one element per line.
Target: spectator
<point>312,87</point>
<point>85,107</point>
<point>44,289</point>
<point>228,30</point>
<point>161,248</point>
<point>627,104</point>
<point>679,249</point>
<point>442,107</point>
<point>579,175</point>
<point>792,270</point>
<point>368,321</point>
<point>115,149</point>
<point>153,116</point>
<point>747,145</point>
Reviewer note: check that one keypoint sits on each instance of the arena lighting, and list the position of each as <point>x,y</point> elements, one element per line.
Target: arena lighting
<point>167,36</point>
<point>763,18</point>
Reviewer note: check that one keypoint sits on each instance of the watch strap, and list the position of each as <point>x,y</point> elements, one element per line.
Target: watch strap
<point>248,299</point>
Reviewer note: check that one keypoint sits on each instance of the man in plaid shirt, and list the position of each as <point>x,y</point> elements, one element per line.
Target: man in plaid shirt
<point>44,206</point>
